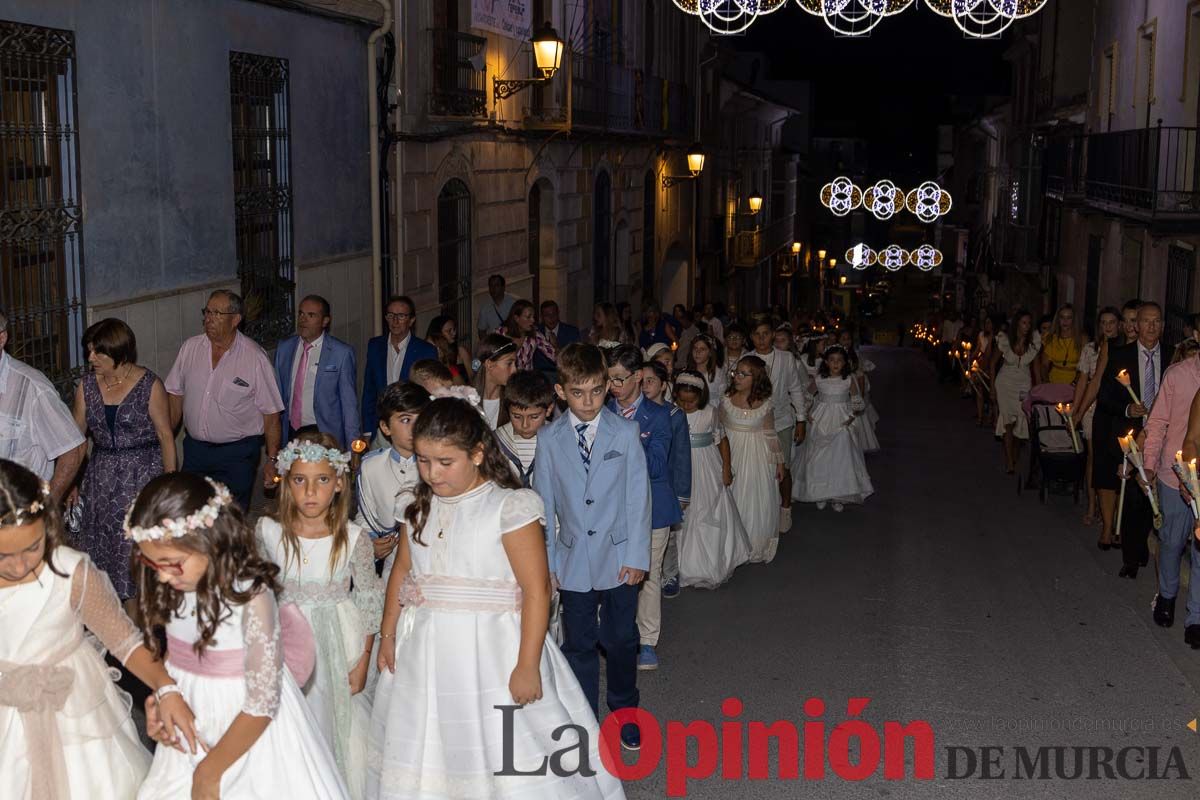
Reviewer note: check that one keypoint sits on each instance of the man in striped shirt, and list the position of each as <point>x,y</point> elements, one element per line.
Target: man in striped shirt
<point>530,400</point>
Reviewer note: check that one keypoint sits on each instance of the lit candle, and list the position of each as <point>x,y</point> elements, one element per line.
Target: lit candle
<point>358,445</point>
<point>1123,379</point>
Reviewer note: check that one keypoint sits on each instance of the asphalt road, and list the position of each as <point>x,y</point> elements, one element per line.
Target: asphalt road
<point>949,599</point>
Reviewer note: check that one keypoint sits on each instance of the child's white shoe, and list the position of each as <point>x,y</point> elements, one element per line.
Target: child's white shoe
<point>838,507</point>
<point>821,505</point>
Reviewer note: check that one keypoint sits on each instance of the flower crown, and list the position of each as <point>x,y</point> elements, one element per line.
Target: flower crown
<point>169,528</point>
<point>311,453</point>
<point>464,393</point>
<point>26,514</point>
<point>689,380</point>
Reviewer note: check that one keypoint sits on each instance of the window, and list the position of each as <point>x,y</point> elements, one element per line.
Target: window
<point>1181,267</point>
<point>454,254</point>
<point>41,258</point>
<point>263,194</point>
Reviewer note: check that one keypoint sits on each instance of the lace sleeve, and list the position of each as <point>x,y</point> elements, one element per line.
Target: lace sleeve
<point>97,606</point>
<point>262,657</point>
<point>521,507</point>
<point>367,592</point>
<point>718,430</point>
<point>774,452</point>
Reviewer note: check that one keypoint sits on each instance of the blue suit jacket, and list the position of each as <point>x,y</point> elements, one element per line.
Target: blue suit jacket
<point>335,398</point>
<point>654,422</point>
<point>566,334</point>
<point>679,460</point>
<point>375,378</point>
<point>597,519</point>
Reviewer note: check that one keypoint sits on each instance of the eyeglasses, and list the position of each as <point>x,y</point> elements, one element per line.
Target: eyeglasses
<point>393,317</point>
<point>212,312</point>
<point>741,373</point>
<point>170,569</point>
<point>618,382</point>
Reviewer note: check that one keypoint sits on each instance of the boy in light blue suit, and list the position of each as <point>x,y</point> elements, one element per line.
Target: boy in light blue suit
<point>654,425</point>
<point>590,471</point>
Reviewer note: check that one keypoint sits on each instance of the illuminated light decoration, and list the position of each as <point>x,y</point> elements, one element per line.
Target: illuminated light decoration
<point>883,200</point>
<point>860,257</point>
<point>893,257</point>
<point>942,8</point>
<point>853,17</point>
<point>928,201</point>
<point>770,6</point>
<point>726,17</point>
<point>688,6</point>
<point>1018,9</point>
<point>841,196</point>
<point>926,257</point>
<point>978,19</point>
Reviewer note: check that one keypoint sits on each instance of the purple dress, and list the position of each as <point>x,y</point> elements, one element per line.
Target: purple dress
<point>125,456</point>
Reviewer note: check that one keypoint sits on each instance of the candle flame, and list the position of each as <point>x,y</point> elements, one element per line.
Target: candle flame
<point>358,445</point>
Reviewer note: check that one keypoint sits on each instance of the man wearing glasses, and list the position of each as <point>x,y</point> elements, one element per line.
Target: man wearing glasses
<point>390,356</point>
<point>223,388</point>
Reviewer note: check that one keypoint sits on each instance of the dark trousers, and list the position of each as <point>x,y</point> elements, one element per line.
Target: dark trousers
<point>616,632</point>
<point>1137,520</point>
<point>233,463</point>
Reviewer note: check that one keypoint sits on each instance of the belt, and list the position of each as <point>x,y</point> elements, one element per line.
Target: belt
<point>454,593</point>
<point>702,440</point>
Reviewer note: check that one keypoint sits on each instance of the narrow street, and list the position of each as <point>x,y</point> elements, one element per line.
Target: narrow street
<point>946,598</point>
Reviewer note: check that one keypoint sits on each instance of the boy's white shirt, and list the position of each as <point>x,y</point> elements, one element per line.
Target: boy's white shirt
<point>385,483</point>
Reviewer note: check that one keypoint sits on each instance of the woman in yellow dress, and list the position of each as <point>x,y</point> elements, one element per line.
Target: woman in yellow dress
<point>1059,360</point>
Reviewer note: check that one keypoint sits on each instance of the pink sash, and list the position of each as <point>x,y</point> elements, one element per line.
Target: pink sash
<point>295,634</point>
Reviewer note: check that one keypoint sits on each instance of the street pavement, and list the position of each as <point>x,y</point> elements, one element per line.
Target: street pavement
<point>947,598</point>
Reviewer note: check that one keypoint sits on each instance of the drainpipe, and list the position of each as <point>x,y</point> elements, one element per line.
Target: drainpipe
<point>373,138</point>
<point>693,267</point>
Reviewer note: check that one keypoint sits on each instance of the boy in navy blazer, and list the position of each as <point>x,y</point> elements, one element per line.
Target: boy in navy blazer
<point>654,424</point>
<point>390,356</point>
<point>328,398</point>
<point>590,471</point>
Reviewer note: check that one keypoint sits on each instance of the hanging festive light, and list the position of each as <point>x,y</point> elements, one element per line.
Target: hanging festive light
<point>926,257</point>
<point>688,6</point>
<point>860,257</point>
<point>883,199</point>
<point>853,17</point>
<point>893,257</point>
<point>928,201</point>
<point>726,17</point>
<point>841,196</point>
<point>1018,9</point>
<point>978,19</point>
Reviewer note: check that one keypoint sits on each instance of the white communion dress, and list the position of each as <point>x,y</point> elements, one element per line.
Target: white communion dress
<point>834,469</point>
<point>65,729</point>
<point>343,607</point>
<point>713,541</point>
<point>435,730</point>
<point>755,454</point>
<point>242,671</point>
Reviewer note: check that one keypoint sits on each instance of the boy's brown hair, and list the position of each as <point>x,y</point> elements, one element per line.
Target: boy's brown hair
<point>428,368</point>
<point>580,363</point>
<point>528,389</point>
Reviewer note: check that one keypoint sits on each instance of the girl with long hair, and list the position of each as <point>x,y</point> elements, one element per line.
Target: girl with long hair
<point>327,568</point>
<point>205,587</point>
<point>1083,405</point>
<point>1061,350</point>
<point>67,729</point>
<point>707,358</point>
<point>755,454</point>
<point>495,362</point>
<point>465,634</point>
<point>606,325</point>
<point>453,354</point>
<point>1010,380</point>
<point>521,327</point>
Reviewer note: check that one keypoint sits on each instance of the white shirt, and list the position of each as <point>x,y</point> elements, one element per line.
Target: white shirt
<point>715,328</point>
<point>787,390</point>
<point>589,433</point>
<point>950,330</point>
<point>493,314</point>
<point>396,357</point>
<point>491,412</point>
<point>35,425</point>
<point>307,415</point>
<point>385,483</point>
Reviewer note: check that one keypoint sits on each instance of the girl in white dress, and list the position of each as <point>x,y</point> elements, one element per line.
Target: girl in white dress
<point>713,541</point>
<point>755,456</point>
<point>65,729</point>
<point>707,359</point>
<point>834,468</point>
<point>466,619</point>
<point>202,581</point>
<point>863,425</point>
<point>327,568</point>
<point>1011,381</point>
<point>495,362</point>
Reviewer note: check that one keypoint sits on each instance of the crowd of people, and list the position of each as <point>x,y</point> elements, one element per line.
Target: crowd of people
<point>1128,403</point>
<point>463,536</point>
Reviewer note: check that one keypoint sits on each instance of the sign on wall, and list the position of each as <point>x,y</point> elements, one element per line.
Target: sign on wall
<point>506,17</point>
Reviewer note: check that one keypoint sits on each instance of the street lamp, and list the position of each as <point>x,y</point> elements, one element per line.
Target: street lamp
<point>820,255</point>
<point>695,162</point>
<point>547,55</point>
<point>755,200</point>
<point>796,247</point>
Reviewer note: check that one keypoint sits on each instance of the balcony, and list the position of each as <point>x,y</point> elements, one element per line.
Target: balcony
<point>458,89</point>
<point>1063,163</point>
<point>751,247</point>
<point>1149,173</point>
<point>1015,246</point>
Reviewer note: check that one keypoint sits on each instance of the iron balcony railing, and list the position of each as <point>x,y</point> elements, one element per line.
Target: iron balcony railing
<point>1063,163</point>
<point>1152,171</point>
<point>751,247</point>
<point>459,89</point>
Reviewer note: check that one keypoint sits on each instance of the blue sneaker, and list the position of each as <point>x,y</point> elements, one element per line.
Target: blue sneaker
<point>631,737</point>
<point>670,589</point>
<point>647,659</point>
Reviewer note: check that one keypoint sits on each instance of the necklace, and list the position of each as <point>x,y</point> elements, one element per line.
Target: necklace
<point>304,553</point>
<point>119,381</point>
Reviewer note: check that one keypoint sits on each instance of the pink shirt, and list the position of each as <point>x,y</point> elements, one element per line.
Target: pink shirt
<point>227,403</point>
<point>1168,421</point>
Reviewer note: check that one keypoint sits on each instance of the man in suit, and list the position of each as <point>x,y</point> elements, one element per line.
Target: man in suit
<point>390,356</point>
<point>590,470</point>
<point>552,325</point>
<point>1143,361</point>
<point>654,423</point>
<point>317,377</point>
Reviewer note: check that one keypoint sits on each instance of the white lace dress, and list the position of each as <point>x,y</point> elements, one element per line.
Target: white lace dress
<point>1089,359</point>
<point>1013,382</point>
<point>435,730</point>
<point>754,453</point>
<point>863,426</point>
<point>343,606</point>
<point>291,760</point>
<point>65,730</point>
<point>713,541</point>
<point>834,469</point>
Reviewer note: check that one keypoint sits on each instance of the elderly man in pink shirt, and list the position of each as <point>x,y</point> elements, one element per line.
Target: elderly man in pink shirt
<point>223,386</point>
<point>1166,431</point>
